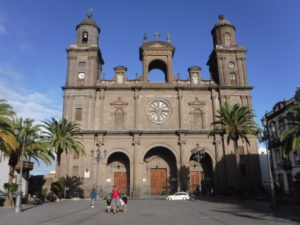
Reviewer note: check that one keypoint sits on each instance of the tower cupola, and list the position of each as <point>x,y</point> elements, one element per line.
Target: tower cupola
<point>223,33</point>
<point>87,31</point>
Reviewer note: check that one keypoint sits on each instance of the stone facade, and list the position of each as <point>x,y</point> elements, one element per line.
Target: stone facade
<point>144,136</point>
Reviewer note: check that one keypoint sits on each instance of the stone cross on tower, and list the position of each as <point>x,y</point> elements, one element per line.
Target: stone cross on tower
<point>156,35</point>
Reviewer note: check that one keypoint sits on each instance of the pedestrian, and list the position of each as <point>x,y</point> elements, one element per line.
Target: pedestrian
<point>125,200</point>
<point>108,205</point>
<point>93,195</point>
<point>115,199</point>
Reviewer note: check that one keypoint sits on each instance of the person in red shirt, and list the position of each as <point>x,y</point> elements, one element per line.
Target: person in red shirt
<point>114,198</point>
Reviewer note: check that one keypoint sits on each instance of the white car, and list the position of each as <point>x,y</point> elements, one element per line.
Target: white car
<point>179,196</point>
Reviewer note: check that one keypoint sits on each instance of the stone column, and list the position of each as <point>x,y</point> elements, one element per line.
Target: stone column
<point>136,109</point>
<point>179,96</point>
<point>136,192</point>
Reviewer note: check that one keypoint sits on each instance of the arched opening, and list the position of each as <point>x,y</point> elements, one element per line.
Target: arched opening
<point>157,71</point>
<point>201,175</point>
<point>119,168</point>
<point>161,171</point>
<point>85,37</point>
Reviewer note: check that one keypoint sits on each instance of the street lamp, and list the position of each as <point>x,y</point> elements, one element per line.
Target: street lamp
<point>18,207</point>
<point>199,154</point>
<point>269,154</point>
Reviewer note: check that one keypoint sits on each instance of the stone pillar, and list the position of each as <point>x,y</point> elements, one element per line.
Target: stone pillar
<point>101,113</point>
<point>136,109</point>
<point>179,96</point>
<point>136,192</point>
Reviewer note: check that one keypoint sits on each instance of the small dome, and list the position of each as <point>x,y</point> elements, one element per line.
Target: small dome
<point>88,21</point>
<point>222,21</point>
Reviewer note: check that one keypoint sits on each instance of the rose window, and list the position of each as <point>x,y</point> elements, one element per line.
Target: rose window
<point>158,111</point>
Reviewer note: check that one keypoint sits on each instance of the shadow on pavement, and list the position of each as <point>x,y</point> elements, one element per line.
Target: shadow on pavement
<point>244,207</point>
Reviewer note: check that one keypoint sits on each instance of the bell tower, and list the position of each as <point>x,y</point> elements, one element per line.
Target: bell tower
<point>84,57</point>
<point>157,55</point>
<point>227,61</point>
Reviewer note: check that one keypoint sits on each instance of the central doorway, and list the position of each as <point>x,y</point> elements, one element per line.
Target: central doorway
<point>161,171</point>
<point>118,170</point>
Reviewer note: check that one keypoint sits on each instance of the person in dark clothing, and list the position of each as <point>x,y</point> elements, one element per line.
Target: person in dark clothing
<point>108,206</point>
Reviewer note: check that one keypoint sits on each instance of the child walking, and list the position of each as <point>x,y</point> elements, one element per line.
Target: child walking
<point>93,195</point>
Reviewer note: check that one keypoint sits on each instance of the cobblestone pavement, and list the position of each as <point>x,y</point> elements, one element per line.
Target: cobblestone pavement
<point>213,211</point>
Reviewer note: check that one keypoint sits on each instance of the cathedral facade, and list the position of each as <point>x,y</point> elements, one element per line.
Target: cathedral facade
<point>151,138</point>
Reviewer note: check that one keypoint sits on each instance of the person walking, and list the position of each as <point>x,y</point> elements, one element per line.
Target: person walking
<point>93,196</point>
<point>115,199</point>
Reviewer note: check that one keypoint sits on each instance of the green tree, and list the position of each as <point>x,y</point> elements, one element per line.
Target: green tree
<point>62,137</point>
<point>6,132</point>
<point>34,148</point>
<point>290,138</point>
<point>234,122</point>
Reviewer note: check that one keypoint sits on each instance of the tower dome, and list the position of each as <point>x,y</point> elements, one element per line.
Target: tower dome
<point>88,21</point>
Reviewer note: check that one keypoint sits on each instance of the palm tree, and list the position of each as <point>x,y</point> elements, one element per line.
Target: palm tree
<point>290,138</point>
<point>62,137</point>
<point>6,115</point>
<point>235,122</point>
<point>34,148</point>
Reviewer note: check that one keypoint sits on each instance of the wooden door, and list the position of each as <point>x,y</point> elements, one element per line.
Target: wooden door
<point>196,178</point>
<point>120,181</point>
<point>158,181</point>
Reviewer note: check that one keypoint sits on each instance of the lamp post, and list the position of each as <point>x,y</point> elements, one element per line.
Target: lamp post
<point>18,207</point>
<point>199,154</point>
<point>269,154</point>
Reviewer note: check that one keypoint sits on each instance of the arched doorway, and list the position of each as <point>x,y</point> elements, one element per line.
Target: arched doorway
<point>118,166</point>
<point>161,171</point>
<point>201,175</point>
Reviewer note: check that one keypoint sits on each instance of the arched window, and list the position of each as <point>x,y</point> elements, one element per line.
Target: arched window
<point>197,121</point>
<point>85,37</point>
<point>227,39</point>
<point>119,119</point>
<point>232,79</point>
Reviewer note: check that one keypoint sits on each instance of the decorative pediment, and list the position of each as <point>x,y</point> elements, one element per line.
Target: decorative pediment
<point>119,102</point>
<point>196,102</point>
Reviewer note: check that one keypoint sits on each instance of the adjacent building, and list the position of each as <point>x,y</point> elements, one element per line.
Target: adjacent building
<point>143,136</point>
<point>286,170</point>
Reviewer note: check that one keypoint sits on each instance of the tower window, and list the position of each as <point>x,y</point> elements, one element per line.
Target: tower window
<point>78,114</point>
<point>85,37</point>
<point>227,39</point>
<point>81,64</point>
<point>232,78</point>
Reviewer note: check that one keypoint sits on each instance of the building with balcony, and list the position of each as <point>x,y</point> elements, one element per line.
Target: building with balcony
<point>286,170</point>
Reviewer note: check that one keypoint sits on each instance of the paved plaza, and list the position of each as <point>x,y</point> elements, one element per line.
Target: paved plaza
<point>212,211</point>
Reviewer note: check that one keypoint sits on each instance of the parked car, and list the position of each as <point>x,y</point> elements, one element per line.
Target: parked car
<point>179,196</point>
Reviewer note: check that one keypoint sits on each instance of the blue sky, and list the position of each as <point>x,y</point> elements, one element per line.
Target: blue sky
<point>34,35</point>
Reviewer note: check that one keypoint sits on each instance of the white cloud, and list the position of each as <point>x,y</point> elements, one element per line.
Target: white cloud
<point>10,73</point>
<point>26,103</point>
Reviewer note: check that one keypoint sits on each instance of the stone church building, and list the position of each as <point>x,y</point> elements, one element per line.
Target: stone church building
<point>151,138</point>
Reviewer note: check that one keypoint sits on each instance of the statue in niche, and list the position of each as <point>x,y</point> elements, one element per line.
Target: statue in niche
<point>119,78</point>
<point>195,78</point>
